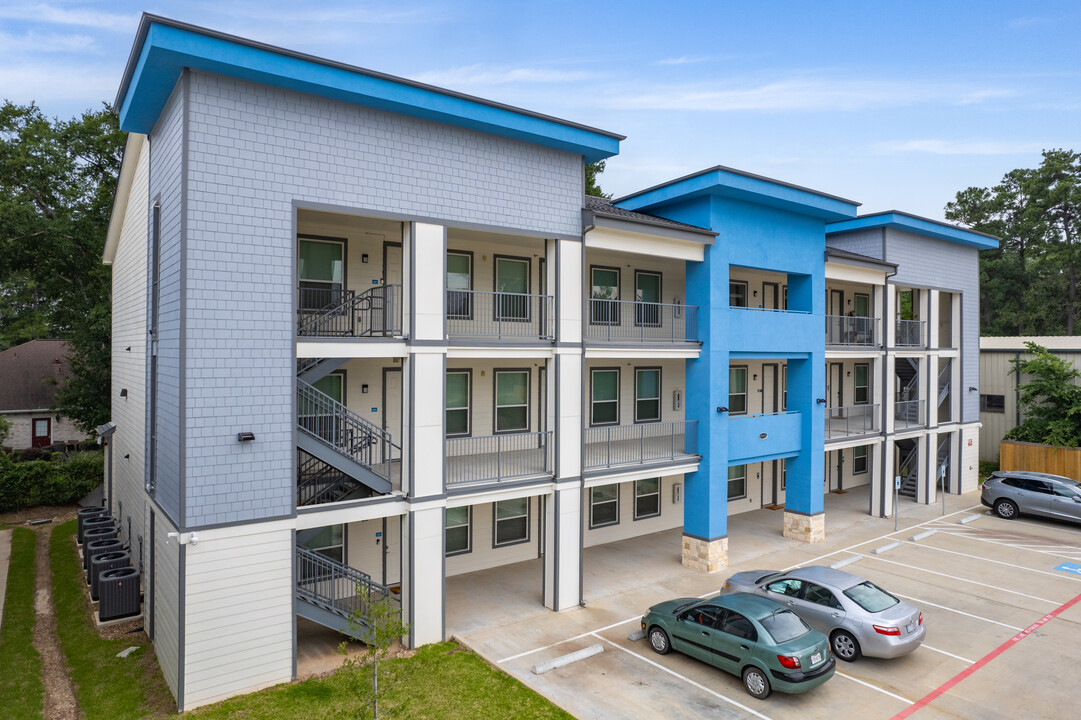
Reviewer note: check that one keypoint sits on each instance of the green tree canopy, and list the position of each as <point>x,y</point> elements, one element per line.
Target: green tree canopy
<point>57,179</point>
<point>1050,401</point>
<point>592,171</point>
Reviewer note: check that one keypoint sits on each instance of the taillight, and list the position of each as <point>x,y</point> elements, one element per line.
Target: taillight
<point>726,586</point>
<point>887,630</point>
<point>789,661</point>
<point>921,619</point>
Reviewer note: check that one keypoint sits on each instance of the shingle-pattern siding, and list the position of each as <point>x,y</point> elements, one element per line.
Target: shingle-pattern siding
<point>166,153</point>
<point>865,242</point>
<point>255,150</point>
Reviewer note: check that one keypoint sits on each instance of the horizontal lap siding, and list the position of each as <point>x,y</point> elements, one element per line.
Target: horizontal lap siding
<point>167,602</point>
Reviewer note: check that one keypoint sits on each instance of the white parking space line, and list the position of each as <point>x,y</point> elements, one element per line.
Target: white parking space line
<point>985,559</point>
<point>954,610</point>
<point>961,579</point>
<point>570,639</point>
<point>943,652</point>
<point>996,540</point>
<point>687,680</point>
<point>874,687</point>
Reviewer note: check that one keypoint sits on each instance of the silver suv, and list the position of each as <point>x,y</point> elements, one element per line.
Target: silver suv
<point>1010,493</point>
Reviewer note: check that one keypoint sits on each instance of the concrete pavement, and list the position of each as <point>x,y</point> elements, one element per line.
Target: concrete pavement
<point>5,559</point>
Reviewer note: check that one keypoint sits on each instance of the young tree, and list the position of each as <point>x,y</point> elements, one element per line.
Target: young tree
<point>377,619</point>
<point>592,171</point>
<point>1051,402</point>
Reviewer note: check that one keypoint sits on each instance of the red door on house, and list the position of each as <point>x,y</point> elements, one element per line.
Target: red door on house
<point>41,433</point>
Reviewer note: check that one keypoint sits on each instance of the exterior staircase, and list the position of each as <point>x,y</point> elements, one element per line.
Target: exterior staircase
<point>906,406</point>
<point>330,593</point>
<point>944,391</point>
<point>909,472</point>
<point>375,312</point>
<point>942,465</point>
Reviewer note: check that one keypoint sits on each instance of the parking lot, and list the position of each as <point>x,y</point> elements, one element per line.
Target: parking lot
<point>1003,630</point>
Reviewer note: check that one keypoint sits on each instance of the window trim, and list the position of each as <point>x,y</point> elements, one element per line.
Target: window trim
<point>468,372</point>
<point>528,287</point>
<point>615,317</point>
<point>344,544</point>
<point>730,479</point>
<point>327,240</point>
<point>528,523</point>
<point>866,458</point>
<point>468,533</point>
<point>985,406</point>
<point>619,380</point>
<point>660,411</point>
<point>528,404</point>
<point>639,305</point>
<point>619,497</point>
<point>856,388</point>
<point>855,304</point>
<point>660,487</point>
<point>472,275</point>
<point>746,392</point>
<point>746,293</point>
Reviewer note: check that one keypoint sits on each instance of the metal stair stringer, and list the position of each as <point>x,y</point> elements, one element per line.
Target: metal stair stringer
<point>342,462</point>
<point>315,369</point>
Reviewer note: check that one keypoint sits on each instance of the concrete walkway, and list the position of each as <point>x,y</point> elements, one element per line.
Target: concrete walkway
<point>5,559</point>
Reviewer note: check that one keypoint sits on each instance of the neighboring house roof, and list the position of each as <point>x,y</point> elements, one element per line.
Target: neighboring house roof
<point>602,208</point>
<point>1017,344</point>
<point>27,370</point>
<point>916,224</point>
<point>833,253</point>
<point>164,48</point>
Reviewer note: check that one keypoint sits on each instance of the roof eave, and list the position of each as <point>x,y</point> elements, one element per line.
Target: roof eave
<point>915,224</point>
<point>644,227</point>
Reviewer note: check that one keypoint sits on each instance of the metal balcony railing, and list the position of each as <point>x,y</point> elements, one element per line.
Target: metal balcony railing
<point>851,420</point>
<point>620,445</point>
<point>337,587</point>
<point>908,413</point>
<point>624,320</point>
<point>499,315</point>
<point>341,429</point>
<point>910,333</point>
<point>325,312</point>
<point>498,457</point>
<point>852,331</point>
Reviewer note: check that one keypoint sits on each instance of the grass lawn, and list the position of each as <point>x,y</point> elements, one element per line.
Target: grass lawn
<point>443,681</point>
<point>106,686</point>
<point>22,694</point>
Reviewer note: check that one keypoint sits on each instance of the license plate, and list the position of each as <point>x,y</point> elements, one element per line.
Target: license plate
<point>910,627</point>
<point>816,658</point>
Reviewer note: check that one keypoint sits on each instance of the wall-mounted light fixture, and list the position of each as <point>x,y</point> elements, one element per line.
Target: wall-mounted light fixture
<point>364,257</point>
<point>821,401</point>
<point>972,389</point>
<point>754,293</point>
<point>754,377</point>
<point>849,373</point>
<point>123,392</point>
<point>721,409</point>
<point>128,456</point>
<point>128,348</point>
<point>364,388</point>
<point>245,436</point>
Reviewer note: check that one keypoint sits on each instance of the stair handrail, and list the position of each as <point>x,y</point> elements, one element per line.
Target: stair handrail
<point>336,587</point>
<point>360,308</point>
<point>348,432</point>
<point>944,387</point>
<point>904,470</point>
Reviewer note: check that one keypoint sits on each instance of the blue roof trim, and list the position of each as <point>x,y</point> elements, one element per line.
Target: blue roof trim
<point>915,224</point>
<point>164,48</point>
<point>730,183</point>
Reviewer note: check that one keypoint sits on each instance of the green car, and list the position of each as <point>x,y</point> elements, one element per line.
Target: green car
<point>752,637</point>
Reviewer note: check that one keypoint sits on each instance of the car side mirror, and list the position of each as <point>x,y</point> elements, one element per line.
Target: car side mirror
<point>1077,498</point>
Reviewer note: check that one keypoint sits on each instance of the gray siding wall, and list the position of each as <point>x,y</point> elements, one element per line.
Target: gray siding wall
<point>926,262</point>
<point>166,154</point>
<point>865,242</point>
<point>253,152</point>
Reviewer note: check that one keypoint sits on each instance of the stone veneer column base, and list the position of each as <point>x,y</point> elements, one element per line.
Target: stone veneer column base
<point>805,528</point>
<point>705,555</point>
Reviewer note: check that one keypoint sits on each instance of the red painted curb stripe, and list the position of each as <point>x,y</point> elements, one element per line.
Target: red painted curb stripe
<point>946,686</point>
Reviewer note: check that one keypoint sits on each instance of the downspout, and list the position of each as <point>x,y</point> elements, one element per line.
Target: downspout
<point>885,384</point>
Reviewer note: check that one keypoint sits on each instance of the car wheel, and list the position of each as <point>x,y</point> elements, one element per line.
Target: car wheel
<point>1006,509</point>
<point>845,646</point>
<point>756,682</point>
<point>658,640</point>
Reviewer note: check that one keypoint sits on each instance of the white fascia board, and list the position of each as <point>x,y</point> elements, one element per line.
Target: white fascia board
<point>618,476</point>
<point>354,513</point>
<point>855,355</point>
<point>850,273</point>
<point>604,238</point>
<point>643,352</point>
<point>501,351</point>
<point>497,495</point>
<point>358,348</point>
<point>132,150</point>
<point>845,444</point>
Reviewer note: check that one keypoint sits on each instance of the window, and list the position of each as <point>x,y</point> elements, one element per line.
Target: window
<point>511,522</point>
<point>320,272</point>
<point>859,460</point>
<point>329,542</point>
<point>706,615</point>
<point>871,597</point>
<point>605,397</point>
<point>862,377</point>
<point>789,587</point>
<point>603,506</point>
<point>459,284</point>
<point>458,402</point>
<point>737,482</point>
<point>511,401</point>
<point>512,286</point>
<point>820,596</point>
<point>604,296</point>
<point>993,403</point>
<point>458,533</point>
<point>737,293</point>
<point>741,627</point>
<point>863,305</point>
<point>737,391</point>
<point>647,298</point>
<point>647,498</point>
<point>647,395</point>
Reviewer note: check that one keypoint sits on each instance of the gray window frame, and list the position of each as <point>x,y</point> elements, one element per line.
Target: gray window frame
<point>472,274</point>
<point>528,404</point>
<point>468,372</point>
<point>468,533</point>
<point>660,411</point>
<point>746,293</point>
<point>732,497</point>
<point>496,521</point>
<point>856,388</point>
<point>592,504</point>
<point>866,458</point>
<point>637,496</point>
<point>619,380</point>
<point>746,391</point>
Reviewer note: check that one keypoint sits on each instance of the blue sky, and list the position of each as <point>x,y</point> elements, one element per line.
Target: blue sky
<point>895,105</point>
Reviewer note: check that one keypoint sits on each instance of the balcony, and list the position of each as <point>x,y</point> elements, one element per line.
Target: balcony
<point>615,321</point>
<point>338,313</point>
<point>497,458</point>
<point>842,422</point>
<point>852,331</point>
<point>482,315</point>
<point>768,434</point>
<point>910,333</point>
<point>908,414</point>
<point>761,330</point>
<point>624,446</point>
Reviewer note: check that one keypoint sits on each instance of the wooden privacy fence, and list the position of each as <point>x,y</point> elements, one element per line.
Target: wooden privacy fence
<point>1064,461</point>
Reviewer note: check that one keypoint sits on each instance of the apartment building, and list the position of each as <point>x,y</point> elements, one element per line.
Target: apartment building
<point>372,332</point>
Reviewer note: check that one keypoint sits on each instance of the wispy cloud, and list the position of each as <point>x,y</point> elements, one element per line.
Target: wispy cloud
<point>1029,21</point>
<point>83,17</point>
<point>486,75</point>
<point>83,85</point>
<point>683,60</point>
<point>800,94</point>
<point>961,147</point>
<point>36,42</point>
<point>320,15</point>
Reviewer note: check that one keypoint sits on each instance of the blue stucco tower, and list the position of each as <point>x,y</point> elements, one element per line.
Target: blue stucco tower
<point>765,226</point>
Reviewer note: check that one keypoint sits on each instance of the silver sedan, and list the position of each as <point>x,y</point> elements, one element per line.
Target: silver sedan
<point>859,617</point>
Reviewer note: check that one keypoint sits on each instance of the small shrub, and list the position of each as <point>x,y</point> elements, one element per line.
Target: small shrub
<point>29,454</point>
<point>60,481</point>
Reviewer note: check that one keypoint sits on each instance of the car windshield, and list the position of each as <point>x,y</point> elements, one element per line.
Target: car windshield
<point>784,625</point>
<point>871,597</point>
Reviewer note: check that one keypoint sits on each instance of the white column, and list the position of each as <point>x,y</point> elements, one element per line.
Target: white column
<point>562,546</point>
<point>889,318</point>
<point>889,474</point>
<point>932,467</point>
<point>957,464</point>
<point>427,255</point>
<point>931,385</point>
<point>925,312</point>
<point>566,275</point>
<point>932,317</point>
<point>423,601</point>
<point>888,394</point>
<point>877,475</point>
<point>923,481</point>
<point>879,311</point>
